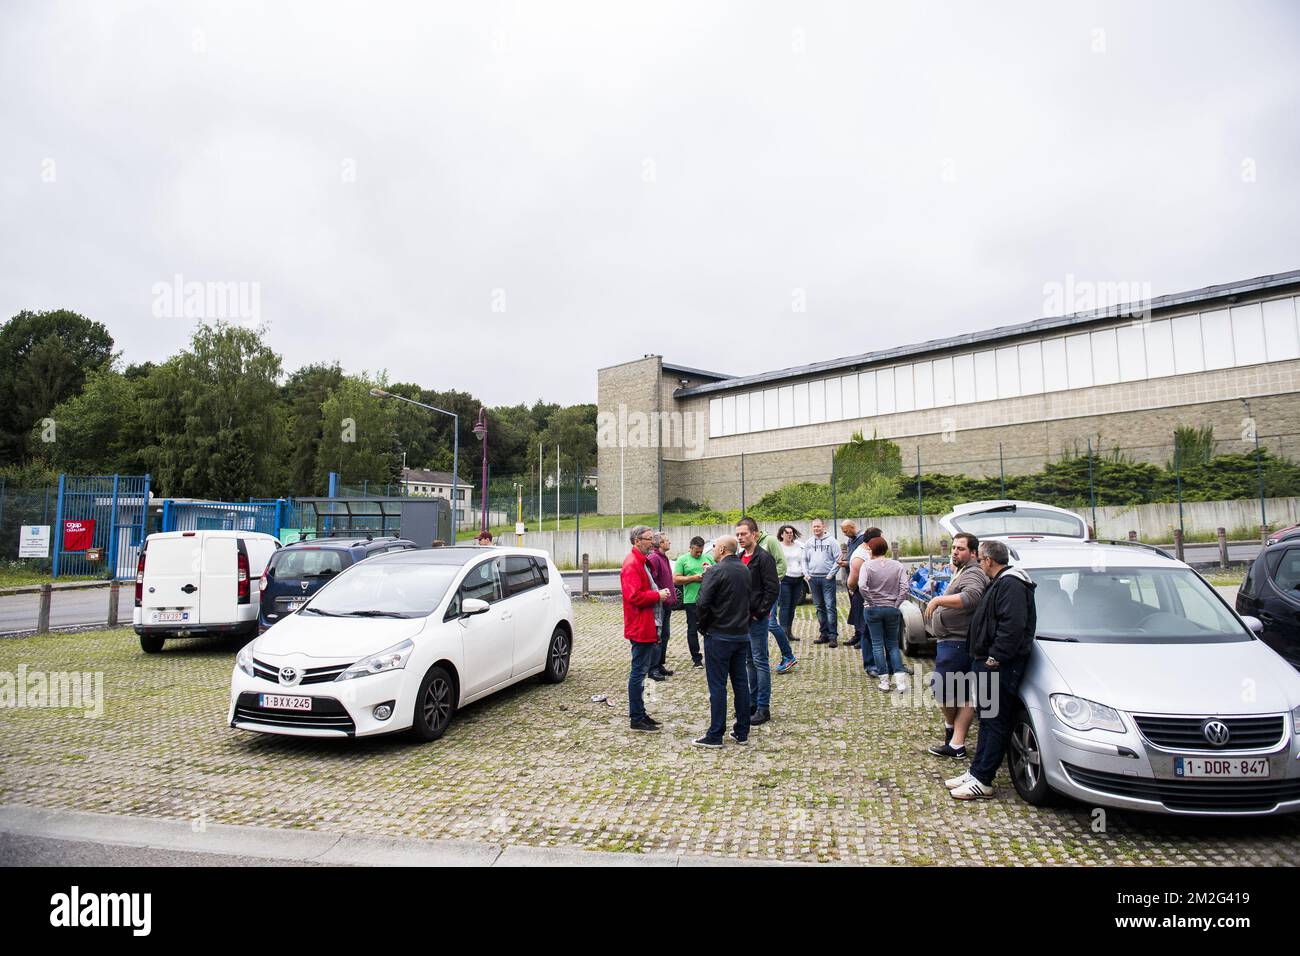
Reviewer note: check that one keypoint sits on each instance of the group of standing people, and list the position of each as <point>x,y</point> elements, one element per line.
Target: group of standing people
<point>731,599</point>
<point>748,586</point>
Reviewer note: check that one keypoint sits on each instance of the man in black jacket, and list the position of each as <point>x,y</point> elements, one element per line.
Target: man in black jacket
<point>764,587</point>
<point>1001,636</point>
<point>724,615</point>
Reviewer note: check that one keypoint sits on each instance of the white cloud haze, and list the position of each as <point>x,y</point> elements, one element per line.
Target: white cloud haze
<point>380,169</point>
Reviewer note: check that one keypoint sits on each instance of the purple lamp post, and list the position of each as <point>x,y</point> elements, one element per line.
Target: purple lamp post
<point>480,431</point>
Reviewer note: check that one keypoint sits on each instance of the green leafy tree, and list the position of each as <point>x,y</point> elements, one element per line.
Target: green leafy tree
<point>44,360</point>
<point>574,430</point>
<point>214,409</point>
<point>101,431</point>
<point>302,399</point>
<point>359,441</point>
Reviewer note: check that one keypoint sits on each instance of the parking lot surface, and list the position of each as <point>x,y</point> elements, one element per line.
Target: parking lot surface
<point>840,774</point>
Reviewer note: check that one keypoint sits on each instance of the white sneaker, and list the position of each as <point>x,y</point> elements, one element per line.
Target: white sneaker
<point>884,683</point>
<point>972,789</point>
<point>900,682</point>
<point>952,783</point>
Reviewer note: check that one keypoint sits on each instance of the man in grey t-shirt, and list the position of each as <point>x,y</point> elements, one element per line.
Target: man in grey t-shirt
<point>949,616</point>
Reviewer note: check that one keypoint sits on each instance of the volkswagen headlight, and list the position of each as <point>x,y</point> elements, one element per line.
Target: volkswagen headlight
<point>244,659</point>
<point>1086,714</point>
<point>392,659</point>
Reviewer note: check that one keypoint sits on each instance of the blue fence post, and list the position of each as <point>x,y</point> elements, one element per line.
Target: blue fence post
<point>334,484</point>
<point>58,528</point>
<point>167,515</point>
<point>112,533</point>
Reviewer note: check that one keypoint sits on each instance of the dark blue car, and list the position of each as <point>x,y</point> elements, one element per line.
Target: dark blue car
<point>1271,592</point>
<point>297,571</point>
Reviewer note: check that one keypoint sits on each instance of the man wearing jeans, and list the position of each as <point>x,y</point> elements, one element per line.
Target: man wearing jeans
<point>763,588</point>
<point>724,617</point>
<point>949,616</point>
<point>822,558</point>
<point>1001,637</point>
<point>661,569</point>
<point>643,607</point>
<point>688,572</point>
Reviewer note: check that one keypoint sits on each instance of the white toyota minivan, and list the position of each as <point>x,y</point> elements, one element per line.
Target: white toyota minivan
<point>198,584</point>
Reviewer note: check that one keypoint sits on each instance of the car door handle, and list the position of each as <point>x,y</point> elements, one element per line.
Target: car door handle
<point>505,615</point>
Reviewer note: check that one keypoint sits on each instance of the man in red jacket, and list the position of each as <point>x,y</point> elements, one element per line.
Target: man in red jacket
<point>643,609</point>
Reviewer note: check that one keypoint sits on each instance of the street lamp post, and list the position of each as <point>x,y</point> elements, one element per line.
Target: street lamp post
<point>1259,465</point>
<point>481,432</point>
<point>455,448</point>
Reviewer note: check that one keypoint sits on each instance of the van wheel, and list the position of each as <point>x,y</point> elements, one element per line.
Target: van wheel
<point>151,643</point>
<point>435,704</point>
<point>557,657</point>
<point>1025,757</point>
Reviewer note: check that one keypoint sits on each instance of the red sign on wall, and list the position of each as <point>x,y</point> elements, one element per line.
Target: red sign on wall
<point>78,535</point>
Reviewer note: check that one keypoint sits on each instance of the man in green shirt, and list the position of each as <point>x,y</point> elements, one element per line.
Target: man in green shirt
<point>688,572</point>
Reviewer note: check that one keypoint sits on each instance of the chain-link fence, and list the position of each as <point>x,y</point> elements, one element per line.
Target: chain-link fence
<point>868,478</point>
<point>20,507</point>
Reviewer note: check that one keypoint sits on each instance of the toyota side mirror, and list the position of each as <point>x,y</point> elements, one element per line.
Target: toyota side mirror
<point>471,606</point>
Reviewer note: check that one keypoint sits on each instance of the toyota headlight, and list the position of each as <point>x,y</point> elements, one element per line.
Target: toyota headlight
<point>1086,714</point>
<point>392,659</point>
<point>244,659</point>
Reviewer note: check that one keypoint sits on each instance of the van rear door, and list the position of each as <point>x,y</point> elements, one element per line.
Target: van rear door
<point>173,578</point>
<point>219,595</point>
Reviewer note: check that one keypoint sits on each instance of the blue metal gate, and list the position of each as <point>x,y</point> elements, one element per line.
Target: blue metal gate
<point>117,504</point>
<point>263,516</point>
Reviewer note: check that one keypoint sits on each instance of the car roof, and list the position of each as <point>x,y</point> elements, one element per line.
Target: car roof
<point>346,543</point>
<point>455,555</point>
<point>212,533</point>
<point>1030,553</point>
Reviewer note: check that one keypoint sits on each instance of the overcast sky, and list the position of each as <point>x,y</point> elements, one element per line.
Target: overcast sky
<point>504,197</point>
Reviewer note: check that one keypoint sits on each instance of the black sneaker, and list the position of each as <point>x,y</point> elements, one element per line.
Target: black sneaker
<point>645,724</point>
<point>697,663</point>
<point>666,672</point>
<point>853,643</point>
<point>707,741</point>
<point>822,640</point>
<point>760,716</point>
<point>732,735</point>
<point>834,643</point>
<point>948,750</point>
<point>656,675</point>
<point>650,719</point>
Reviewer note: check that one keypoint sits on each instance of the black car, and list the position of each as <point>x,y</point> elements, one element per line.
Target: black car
<point>297,571</point>
<point>1271,592</point>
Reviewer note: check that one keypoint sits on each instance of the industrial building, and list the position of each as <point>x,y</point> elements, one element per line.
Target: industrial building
<point>1011,397</point>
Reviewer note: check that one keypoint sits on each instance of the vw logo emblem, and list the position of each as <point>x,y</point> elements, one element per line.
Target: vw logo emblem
<point>288,676</point>
<point>1216,732</point>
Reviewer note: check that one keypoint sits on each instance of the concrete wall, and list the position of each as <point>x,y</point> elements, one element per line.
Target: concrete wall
<point>1151,522</point>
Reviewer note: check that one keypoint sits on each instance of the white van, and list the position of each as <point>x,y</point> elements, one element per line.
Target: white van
<point>199,583</point>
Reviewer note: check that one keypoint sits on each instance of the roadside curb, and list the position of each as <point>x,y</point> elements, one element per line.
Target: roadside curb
<point>320,846</point>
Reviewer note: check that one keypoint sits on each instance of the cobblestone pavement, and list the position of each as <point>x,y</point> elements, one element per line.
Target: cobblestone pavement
<point>840,774</point>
